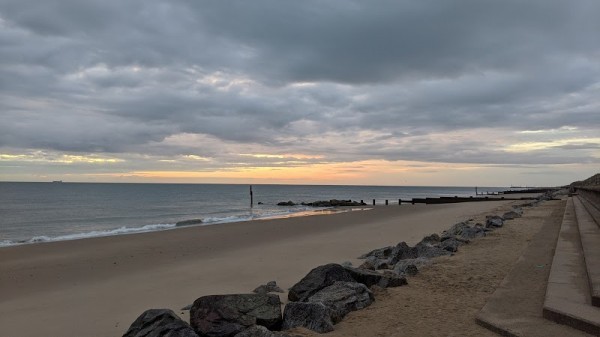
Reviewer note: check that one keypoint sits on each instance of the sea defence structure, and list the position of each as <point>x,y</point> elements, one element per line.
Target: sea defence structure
<point>571,249</point>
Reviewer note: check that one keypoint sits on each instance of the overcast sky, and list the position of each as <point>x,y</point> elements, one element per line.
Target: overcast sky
<point>448,92</point>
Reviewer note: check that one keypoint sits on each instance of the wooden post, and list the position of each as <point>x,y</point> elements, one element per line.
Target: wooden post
<point>251,198</point>
<point>399,202</point>
<point>386,202</point>
<point>373,202</point>
<point>361,201</point>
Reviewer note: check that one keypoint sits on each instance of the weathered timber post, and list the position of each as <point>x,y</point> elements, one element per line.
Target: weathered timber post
<point>386,202</point>
<point>251,198</point>
<point>373,202</point>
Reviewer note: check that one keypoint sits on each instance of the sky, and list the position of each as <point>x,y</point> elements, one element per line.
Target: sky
<point>447,92</point>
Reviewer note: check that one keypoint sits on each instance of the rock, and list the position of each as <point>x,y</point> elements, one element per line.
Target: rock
<point>347,264</point>
<point>342,298</point>
<point>187,307</point>
<point>333,203</point>
<point>370,278</point>
<point>188,222</point>
<point>469,233</point>
<point>261,331</point>
<point>381,253</point>
<point>260,203</point>
<point>369,264</point>
<point>511,215</point>
<point>450,245</point>
<point>317,279</point>
<point>313,316</point>
<point>270,287</point>
<point>228,315</point>
<point>402,251</point>
<point>409,266</point>
<point>159,323</point>
<point>493,221</point>
<point>431,240</point>
<point>426,251</point>
<point>286,203</point>
<point>455,230</point>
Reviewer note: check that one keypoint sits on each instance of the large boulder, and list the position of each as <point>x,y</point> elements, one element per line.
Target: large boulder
<point>511,215</point>
<point>427,251</point>
<point>450,245</point>
<point>380,253</point>
<point>493,221</point>
<point>313,316</point>
<point>431,240</point>
<point>373,263</point>
<point>455,230</point>
<point>371,278</point>
<point>343,297</point>
<point>317,279</point>
<point>470,233</point>
<point>228,315</point>
<point>159,323</point>
<point>402,251</point>
<point>409,267</point>
<point>261,331</point>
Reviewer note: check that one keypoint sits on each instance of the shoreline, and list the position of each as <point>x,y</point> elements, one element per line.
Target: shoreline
<point>42,239</point>
<point>113,279</point>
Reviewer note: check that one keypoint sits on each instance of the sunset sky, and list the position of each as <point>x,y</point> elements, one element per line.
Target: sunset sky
<point>448,92</point>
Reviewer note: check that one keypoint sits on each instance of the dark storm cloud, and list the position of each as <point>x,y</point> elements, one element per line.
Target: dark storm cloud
<point>299,76</point>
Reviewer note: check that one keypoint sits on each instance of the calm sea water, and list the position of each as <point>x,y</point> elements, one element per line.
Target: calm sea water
<point>39,212</point>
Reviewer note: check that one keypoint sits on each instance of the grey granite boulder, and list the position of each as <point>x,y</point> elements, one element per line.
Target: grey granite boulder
<point>380,253</point>
<point>470,233</point>
<point>317,279</point>
<point>402,251</point>
<point>373,263</point>
<point>270,287</point>
<point>261,331</point>
<point>431,240</point>
<point>409,267</point>
<point>228,315</point>
<point>493,221</point>
<point>455,230</point>
<point>371,278</point>
<point>342,298</point>
<point>313,316</point>
<point>450,245</point>
<point>426,251</point>
<point>159,323</point>
<point>511,215</point>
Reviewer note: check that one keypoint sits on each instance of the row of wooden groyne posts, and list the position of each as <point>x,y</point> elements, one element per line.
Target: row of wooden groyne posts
<point>457,199</point>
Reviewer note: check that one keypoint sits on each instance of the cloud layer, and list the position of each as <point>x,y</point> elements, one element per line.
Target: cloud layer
<point>156,84</point>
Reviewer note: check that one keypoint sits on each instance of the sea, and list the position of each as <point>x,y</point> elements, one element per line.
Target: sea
<point>56,211</point>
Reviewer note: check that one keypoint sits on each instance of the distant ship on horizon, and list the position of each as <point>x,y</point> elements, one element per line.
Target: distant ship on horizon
<point>57,181</point>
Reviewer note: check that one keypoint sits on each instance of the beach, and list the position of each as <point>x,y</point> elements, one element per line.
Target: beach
<point>98,286</point>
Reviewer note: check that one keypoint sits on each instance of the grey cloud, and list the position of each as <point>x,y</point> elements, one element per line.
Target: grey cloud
<point>121,77</point>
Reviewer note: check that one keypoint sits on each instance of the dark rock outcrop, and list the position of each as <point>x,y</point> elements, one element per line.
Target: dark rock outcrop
<point>381,253</point>
<point>470,233</point>
<point>228,315</point>
<point>409,267</point>
<point>370,278</point>
<point>333,203</point>
<point>270,287</point>
<point>159,323</point>
<point>313,316</point>
<point>286,203</point>
<point>511,215</point>
<point>188,222</point>
<point>493,221</point>
<point>317,279</point>
<point>450,245</point>
<point>426,251</point>
<point>431,240</point>
<point>261,331</point>
<point>402,251</point>
<point>343,297</point>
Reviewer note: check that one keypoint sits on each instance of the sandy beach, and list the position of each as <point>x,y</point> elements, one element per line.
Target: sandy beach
<point>97,287</point>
